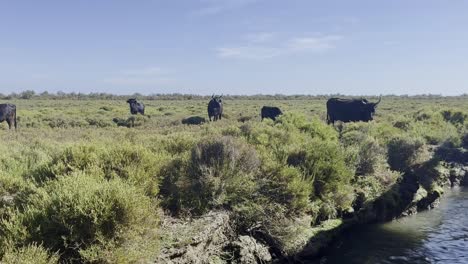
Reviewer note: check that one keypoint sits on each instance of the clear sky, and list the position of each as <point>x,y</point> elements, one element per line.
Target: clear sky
<point>356,47</point>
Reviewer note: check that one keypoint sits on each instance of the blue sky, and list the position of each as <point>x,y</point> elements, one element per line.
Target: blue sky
<point>356,47</point>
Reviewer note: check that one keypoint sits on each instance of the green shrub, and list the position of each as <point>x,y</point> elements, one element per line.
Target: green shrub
<point>370,157</point>
<point>106,108</point>
<point>403,152</point>
<point>79,212</point>
<point>287,186</point>
<point>244,119</point>
<point>132,121</point>
<point>403,124</point>
<point>179,143</point>
<point>323,164</point>
<point>175,185</point>
<point>454,117</point>
<point>222,172</point>
<point>315,127</point>
<point>133,163</point>
<point>98,122</point>
<point>32,254</point>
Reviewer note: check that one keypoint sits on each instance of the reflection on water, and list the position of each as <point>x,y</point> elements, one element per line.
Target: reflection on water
<point>436,236</point>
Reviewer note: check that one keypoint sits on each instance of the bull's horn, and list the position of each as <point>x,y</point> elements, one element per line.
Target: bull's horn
<point>380,99</point>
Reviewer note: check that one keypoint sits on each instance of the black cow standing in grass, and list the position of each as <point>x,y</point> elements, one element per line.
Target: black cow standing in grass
<point>271,112</point>
<point>8,114</point>
<point>350,110</point>
<point>215,108</point>
<point>136,107</point>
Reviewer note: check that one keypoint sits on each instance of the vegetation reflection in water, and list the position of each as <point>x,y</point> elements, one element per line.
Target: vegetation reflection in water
<point>436,236</point>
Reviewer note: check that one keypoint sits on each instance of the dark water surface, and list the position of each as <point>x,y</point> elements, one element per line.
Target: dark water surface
<point>436,236</point>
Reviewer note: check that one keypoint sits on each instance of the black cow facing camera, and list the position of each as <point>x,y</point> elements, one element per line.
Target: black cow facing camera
<point>136,107</point>
<point>215,108</point>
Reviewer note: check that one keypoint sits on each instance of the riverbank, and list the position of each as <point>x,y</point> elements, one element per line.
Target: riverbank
<point>420,188</point>
<point>432,236</point>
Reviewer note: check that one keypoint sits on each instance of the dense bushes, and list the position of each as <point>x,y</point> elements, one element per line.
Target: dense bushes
<point>222,171</point>
<point>403,152</point>
<point>31,254</point>
<point>80,216</point>
<point>90,191</point>
<point>135,164</point>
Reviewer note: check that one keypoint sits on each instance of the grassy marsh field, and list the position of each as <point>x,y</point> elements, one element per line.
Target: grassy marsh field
<point>78,185</point>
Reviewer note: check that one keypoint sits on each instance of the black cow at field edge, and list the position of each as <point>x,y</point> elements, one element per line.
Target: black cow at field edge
<point>271,112</point>
<point>136,107</point>
<point>215,108</point>
<point>350,110</point>
<point>8,114</point>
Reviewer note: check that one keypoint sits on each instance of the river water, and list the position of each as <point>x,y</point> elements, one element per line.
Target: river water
<point>436,236</point>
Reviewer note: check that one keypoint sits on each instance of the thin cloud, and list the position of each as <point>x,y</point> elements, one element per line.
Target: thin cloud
<point>214,7</point>
<point>315,44</point>
<point>249,52</point>
<point>260,47</point>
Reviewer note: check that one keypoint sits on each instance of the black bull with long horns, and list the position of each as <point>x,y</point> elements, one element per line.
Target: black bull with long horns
<point>350,110</point>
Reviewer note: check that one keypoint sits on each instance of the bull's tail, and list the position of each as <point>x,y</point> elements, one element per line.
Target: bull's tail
<point>16,122</point>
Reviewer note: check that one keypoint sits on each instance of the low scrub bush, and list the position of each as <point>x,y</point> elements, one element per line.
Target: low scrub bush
<point>134,163</point>
<point>132,121</point>
<point>403,152</point>
<point>286,186</point>
<point>222,172</point>
<point>98,122</point>
<point>454,117</point>
<point>77,213</point>
<point>32,254</point>
<point>323,163</point>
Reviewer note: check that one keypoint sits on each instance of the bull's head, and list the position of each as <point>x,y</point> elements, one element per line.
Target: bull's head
<point>131,101</point>
<point>369,109</point>
<point>217,98</point>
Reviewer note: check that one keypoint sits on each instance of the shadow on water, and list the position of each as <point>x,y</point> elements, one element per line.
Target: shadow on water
<point>436,236</point>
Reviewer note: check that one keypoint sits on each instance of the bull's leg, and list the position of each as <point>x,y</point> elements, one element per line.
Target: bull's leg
<point>220,116</point>
<point>9,123</point>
